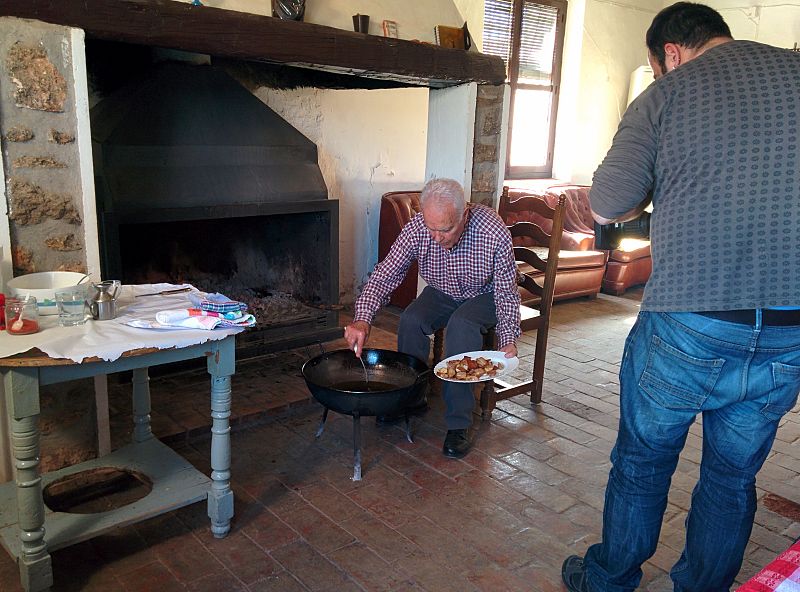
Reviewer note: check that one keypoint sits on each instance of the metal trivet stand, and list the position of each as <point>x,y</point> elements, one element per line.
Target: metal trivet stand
<point>357,438</point>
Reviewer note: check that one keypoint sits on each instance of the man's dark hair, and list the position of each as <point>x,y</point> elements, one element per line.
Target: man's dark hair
<point>684,23</point>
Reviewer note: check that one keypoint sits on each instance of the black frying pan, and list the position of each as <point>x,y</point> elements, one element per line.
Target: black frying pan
<point>336,380</point>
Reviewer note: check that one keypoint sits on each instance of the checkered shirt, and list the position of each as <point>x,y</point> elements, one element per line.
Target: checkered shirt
<point>481,262</point>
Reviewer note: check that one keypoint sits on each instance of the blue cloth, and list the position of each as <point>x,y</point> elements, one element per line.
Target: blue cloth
<point>216,302</point>
<point>742,379</point>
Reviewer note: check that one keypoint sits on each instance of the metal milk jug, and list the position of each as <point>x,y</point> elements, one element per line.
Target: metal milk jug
<point>103,304</point>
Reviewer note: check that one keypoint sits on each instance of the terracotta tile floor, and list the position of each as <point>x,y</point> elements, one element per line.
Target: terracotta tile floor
<point>503,518</point>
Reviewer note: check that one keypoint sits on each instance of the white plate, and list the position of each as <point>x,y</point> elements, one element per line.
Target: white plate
<point>496,357</point>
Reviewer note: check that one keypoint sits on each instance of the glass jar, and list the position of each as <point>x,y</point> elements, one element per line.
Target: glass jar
<point>22,315</point>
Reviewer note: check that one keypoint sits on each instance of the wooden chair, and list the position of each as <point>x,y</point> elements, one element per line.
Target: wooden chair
<point>535,315</point>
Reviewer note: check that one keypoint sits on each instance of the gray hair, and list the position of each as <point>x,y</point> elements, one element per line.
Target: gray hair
<point>441,192</point>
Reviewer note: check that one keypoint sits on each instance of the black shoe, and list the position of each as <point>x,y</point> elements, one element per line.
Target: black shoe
<point>573,573</point>
<point>457,443</point>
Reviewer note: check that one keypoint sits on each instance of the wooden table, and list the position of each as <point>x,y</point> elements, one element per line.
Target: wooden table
<point>29,531</point>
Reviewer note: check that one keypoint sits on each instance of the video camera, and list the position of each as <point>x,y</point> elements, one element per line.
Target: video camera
<point>608,236</point>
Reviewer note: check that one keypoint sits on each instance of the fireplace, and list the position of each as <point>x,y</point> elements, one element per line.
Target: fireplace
<point>198,181</point>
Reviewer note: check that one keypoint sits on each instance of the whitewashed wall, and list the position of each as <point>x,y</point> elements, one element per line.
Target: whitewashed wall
<point>369,142</point>
<point>604,44</point>
<point>775,22</point>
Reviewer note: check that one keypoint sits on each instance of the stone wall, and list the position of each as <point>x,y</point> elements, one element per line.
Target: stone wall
<point>487,150</point>
<point>40,156</point>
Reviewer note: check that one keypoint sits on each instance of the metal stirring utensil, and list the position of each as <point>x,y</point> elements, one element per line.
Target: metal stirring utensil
<point>366,376</point>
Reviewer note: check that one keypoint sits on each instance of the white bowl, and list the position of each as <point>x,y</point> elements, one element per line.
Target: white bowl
<point>44,285</point>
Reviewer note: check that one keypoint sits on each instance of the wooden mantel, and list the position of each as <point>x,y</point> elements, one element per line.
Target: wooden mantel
<point>232,34</point>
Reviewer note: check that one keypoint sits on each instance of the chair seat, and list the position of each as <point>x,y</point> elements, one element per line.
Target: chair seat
<point>526,315</point>
<point>566,260</point>
<point>630,250</point>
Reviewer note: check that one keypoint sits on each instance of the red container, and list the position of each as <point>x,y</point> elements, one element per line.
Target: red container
<point>22,316</point>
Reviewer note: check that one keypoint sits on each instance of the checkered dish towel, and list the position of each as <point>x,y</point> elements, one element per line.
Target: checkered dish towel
<point>216,303</point>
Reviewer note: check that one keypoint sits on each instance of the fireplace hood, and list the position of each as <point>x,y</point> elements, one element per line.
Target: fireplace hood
<point>191,137</point>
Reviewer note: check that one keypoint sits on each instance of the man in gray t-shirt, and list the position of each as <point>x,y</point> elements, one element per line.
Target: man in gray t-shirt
<point>714,141</point>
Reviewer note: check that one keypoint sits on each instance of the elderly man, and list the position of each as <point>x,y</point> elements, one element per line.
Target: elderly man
<point>715,140</point>
<point>465,255</point>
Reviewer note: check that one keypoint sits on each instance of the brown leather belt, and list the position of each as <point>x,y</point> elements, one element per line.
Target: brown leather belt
<point>772,317</point>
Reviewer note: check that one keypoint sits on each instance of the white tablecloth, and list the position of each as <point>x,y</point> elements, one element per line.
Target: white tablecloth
<point>110,339</point>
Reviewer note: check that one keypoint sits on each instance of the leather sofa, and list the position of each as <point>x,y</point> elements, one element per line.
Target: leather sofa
<point>580,271</point>
<point>627,266</point>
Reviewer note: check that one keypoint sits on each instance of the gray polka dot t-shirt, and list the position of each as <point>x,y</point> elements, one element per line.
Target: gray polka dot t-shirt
<point>717,142</point>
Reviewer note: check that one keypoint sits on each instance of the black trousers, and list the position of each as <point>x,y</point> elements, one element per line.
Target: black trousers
<point>465,322</point>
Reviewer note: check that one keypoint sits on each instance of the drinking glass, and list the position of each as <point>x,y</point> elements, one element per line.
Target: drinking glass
<point>71,308</point>
<point>22,315</point>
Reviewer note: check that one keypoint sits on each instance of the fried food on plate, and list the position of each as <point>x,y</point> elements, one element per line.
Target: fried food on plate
<point>468,369</point>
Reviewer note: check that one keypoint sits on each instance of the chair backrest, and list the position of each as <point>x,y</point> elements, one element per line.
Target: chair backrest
<point>514,207</point>
<point>517,206</point>
<point>547,265</point>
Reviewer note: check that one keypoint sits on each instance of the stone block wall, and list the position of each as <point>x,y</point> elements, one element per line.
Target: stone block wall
<point>40,156</point>
<point>487,149</point>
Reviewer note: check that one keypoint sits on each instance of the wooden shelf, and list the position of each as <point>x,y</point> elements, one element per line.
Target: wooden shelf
<point>176,483</point>
<point>244,36</point>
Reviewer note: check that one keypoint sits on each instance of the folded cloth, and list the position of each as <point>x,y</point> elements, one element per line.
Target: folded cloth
<point>187,319</point>
<point>197,312</point>
<point>216,303</point>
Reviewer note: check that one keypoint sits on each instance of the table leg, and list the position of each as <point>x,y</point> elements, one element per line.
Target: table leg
<point>6,471</point>
<point>22,400</point>
<point>101,410</point>
<point>141,405</point>
<point>220,498</point>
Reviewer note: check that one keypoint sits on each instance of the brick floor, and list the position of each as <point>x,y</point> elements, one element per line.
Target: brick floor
<point>503,518</point>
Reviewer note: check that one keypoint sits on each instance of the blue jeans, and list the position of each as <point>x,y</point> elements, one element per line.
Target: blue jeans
<point>466,321</point>
<point>742,379</point>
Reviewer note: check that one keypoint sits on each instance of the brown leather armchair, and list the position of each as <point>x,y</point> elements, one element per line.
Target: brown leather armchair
<point>627,266</point>
<point>397,208</point>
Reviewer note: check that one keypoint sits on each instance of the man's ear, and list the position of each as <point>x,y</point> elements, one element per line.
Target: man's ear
<point>672,56</point>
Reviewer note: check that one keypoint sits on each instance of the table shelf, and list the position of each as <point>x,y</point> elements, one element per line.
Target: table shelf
<point>176,483</point>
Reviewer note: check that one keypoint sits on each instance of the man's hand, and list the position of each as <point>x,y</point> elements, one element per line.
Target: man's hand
<point>356,335</point>
<point>510,350</point>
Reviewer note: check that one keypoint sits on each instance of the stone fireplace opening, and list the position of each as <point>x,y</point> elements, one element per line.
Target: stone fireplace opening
<point>282,265</point>
<point>198,181</point>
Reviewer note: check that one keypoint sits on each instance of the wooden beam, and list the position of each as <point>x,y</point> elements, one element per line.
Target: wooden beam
<point>233,34</point>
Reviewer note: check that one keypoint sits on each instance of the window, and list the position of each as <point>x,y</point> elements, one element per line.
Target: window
<point>529,37</point>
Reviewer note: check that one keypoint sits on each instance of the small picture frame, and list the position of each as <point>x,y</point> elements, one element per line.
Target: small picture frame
<point>390,29</point>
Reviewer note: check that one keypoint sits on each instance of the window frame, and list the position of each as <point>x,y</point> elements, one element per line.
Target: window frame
<point>545,171</point>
